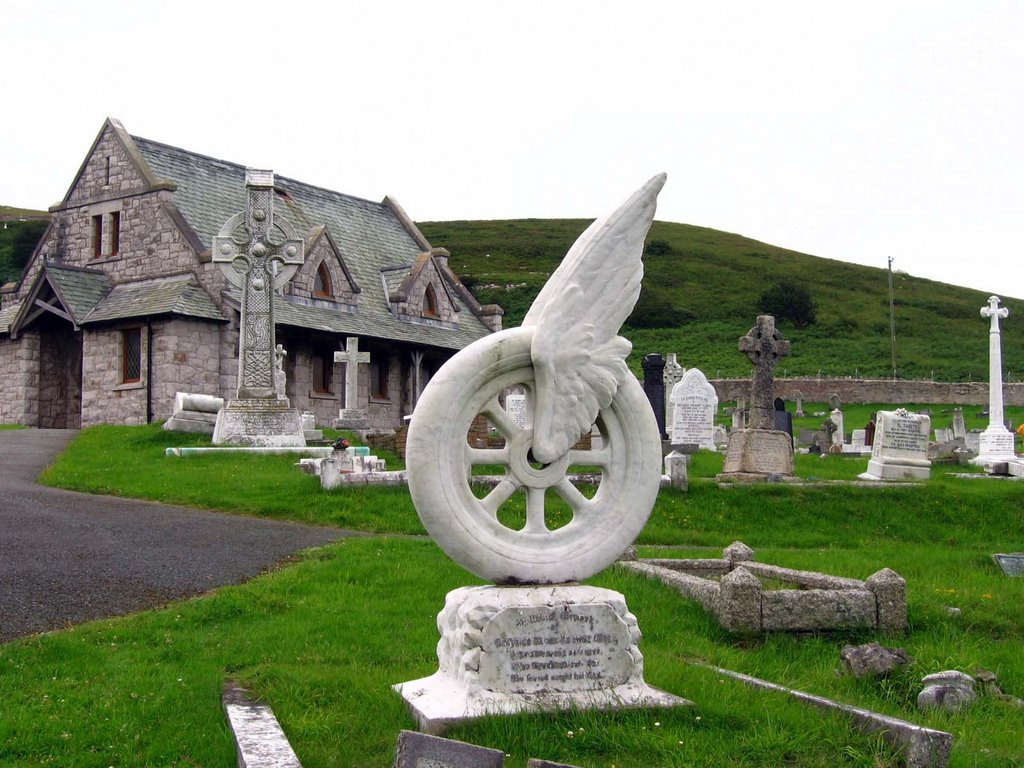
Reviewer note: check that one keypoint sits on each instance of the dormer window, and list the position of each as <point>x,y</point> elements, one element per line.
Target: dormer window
<point>322,283</point>
<point>430,302</point>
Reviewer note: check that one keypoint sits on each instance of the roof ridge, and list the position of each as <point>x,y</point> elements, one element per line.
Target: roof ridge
<point>70,268</point>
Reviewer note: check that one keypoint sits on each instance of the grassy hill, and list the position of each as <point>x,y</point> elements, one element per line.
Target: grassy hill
<point>20,230</point>
<point>702,289</point>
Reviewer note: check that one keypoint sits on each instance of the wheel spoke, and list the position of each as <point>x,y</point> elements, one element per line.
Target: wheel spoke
<point>500,418</point>
<point>535,511</point>
<point>572,495</point>
<point>502,492</point>
<point>599,458</point>
<point>486,456</point>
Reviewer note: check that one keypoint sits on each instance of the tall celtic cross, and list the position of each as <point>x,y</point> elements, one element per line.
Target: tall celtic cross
<point>251,250</point>
<point>763,345</point>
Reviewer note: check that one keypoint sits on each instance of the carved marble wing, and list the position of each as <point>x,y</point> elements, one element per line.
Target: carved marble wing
<point>579,359</point>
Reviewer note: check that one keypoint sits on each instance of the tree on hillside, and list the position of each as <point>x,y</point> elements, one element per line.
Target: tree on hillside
<point>791,301</point>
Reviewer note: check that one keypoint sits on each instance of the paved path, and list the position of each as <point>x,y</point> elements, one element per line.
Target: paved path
<point>69,557</point>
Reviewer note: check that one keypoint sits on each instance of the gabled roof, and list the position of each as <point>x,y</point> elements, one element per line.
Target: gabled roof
<point>68,292</point>
<point>177,295</point>
<point>370,238</point>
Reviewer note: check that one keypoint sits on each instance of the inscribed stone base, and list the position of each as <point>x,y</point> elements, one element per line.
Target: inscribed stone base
<point>191,421</point>
<point>995,444</point>
<point>505,650</point>
<point>889,469</point>
<point>259,424</point>
<point>351,419</point>
<point>758,453</point>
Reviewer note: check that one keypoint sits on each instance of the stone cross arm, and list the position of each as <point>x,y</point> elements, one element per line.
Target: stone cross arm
<point>763,344</point>
<point>993,310</point>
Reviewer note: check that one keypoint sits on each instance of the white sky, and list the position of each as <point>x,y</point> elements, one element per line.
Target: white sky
<point>854,131</point>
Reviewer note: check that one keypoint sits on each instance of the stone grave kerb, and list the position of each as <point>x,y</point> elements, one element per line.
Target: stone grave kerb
<point>763,345</point>
<point>250,250</point>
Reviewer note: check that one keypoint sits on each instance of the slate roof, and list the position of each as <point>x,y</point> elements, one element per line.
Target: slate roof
<point>370,236</point>
<point>79,289</point>
<point>178,295</point>
<point>7,317</point>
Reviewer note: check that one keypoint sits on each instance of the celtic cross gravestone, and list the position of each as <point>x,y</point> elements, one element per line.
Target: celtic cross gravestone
<point>763,345</point>
<point>257,254</point>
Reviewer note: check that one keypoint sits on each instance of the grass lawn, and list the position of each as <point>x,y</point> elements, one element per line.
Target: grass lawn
<point>323,640</point>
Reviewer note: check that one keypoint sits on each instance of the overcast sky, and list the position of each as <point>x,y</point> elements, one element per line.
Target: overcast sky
<point>853,131</point>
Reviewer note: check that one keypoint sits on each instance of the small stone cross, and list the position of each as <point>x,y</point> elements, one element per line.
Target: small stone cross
<point>351,357</point>
<point>249,249</point>
<point>763,345</point>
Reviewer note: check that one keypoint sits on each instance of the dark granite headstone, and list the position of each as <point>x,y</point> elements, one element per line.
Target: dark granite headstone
<point>869,433</point>
<point>418,750</point>
<point>780,404</point>
<point>654,387</point>
<point>1012,564</point>
<point>784,422</point>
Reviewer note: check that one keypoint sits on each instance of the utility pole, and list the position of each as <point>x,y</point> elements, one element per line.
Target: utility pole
<point>892,321</point>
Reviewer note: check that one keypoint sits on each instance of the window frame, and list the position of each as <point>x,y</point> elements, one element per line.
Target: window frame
<point>131,355</point>
<point>323,276</point>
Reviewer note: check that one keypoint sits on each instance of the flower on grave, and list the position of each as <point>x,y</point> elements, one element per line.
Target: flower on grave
<point>340,444</point>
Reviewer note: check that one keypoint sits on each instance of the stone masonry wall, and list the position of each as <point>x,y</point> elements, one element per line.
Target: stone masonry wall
<point>817,390</point>
<point>105,398</point>
<point>185,359</point>
<point>303,281</point>
<point>19,380</point>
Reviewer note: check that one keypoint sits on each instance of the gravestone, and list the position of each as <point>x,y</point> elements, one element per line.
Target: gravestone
<point>869,433</point>
<point>857,444</point>
<point>537,640</point>
<point>420,750</point>
<point>1011,564</point>
<point>799,397</point>
<point>738,420</point>
<point>671,376</point>
<point>257,253</point>
<point>654,386</point>
<point>783,418</point>
<point>352,416</point>
<point>996,442</point>
<point>760,451</point>
<point>839,436</point>
<point>194,413</point>
<point>834,402</point>
<point>900,451</point>
<point>959,426</point>
<point>515,406</point>
<point>694,404</point>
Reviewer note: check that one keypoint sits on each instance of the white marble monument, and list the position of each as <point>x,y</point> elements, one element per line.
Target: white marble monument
<point>694,405</point>
<point>900,450</point>
<point>996,442</point>
<point>536,641</point>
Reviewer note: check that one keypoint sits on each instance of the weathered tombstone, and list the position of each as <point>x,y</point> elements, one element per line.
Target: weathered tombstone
<point>799,397</point>
<point>536,640</point>
<point>309,430</point>
<point>515,406</point>
<point>943,435</point>
<point>839,436</point>
<point>869,433</point>
<point>419,750</point>
<point>783,418</point>
<point>959,426</point>
<point>677,467</point>
<point>654,386</point>
<point>721,437</point>
<point>900,451</point>
<point>194,413</point>
<point>1011,564</point>
<point>694,404</point>
<point>834,402</point>
<point>738,420</point>
<point>761,451</point>
<point>671,376</point>
<point>352,416</point>
<point>257,253</point>
<point>996,442</point>
<point>857,444</point>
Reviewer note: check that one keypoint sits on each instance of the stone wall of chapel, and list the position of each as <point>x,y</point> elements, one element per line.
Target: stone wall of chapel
<point>105,398</point>
<point>185,359</point>
<point>95,180</point>
<point>19,379</point>
<point>415,298</point>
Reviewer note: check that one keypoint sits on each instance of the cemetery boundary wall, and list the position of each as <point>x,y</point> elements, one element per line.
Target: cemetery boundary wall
<point>818,390</point>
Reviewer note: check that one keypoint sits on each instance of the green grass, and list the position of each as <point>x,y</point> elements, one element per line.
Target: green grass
<point>323,640</point>
<point>701,292</point>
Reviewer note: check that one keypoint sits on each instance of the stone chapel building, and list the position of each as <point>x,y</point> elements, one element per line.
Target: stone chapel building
<point>121,306</point>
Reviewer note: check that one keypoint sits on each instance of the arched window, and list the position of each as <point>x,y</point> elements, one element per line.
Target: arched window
<point>322,282</point>
<point>430,302</point>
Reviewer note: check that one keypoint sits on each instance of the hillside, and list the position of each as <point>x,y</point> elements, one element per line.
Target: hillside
<point>702,289</point>
<point>20,230</point>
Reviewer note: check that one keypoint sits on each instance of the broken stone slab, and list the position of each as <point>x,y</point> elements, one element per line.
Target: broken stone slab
<point>420,750</point>
<point>535,763</point>
<point>872,659</point>
<point>259,738</point>
<point>921,747</point>
<point>949,691</point>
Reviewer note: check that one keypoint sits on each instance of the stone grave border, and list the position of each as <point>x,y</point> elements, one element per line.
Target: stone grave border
<point>731,589</point>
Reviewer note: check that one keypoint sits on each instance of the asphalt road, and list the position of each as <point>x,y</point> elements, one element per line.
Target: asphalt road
<point>70,557</point>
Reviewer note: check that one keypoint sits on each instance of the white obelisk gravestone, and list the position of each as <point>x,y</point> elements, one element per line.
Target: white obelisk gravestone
<point>996,444</point>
